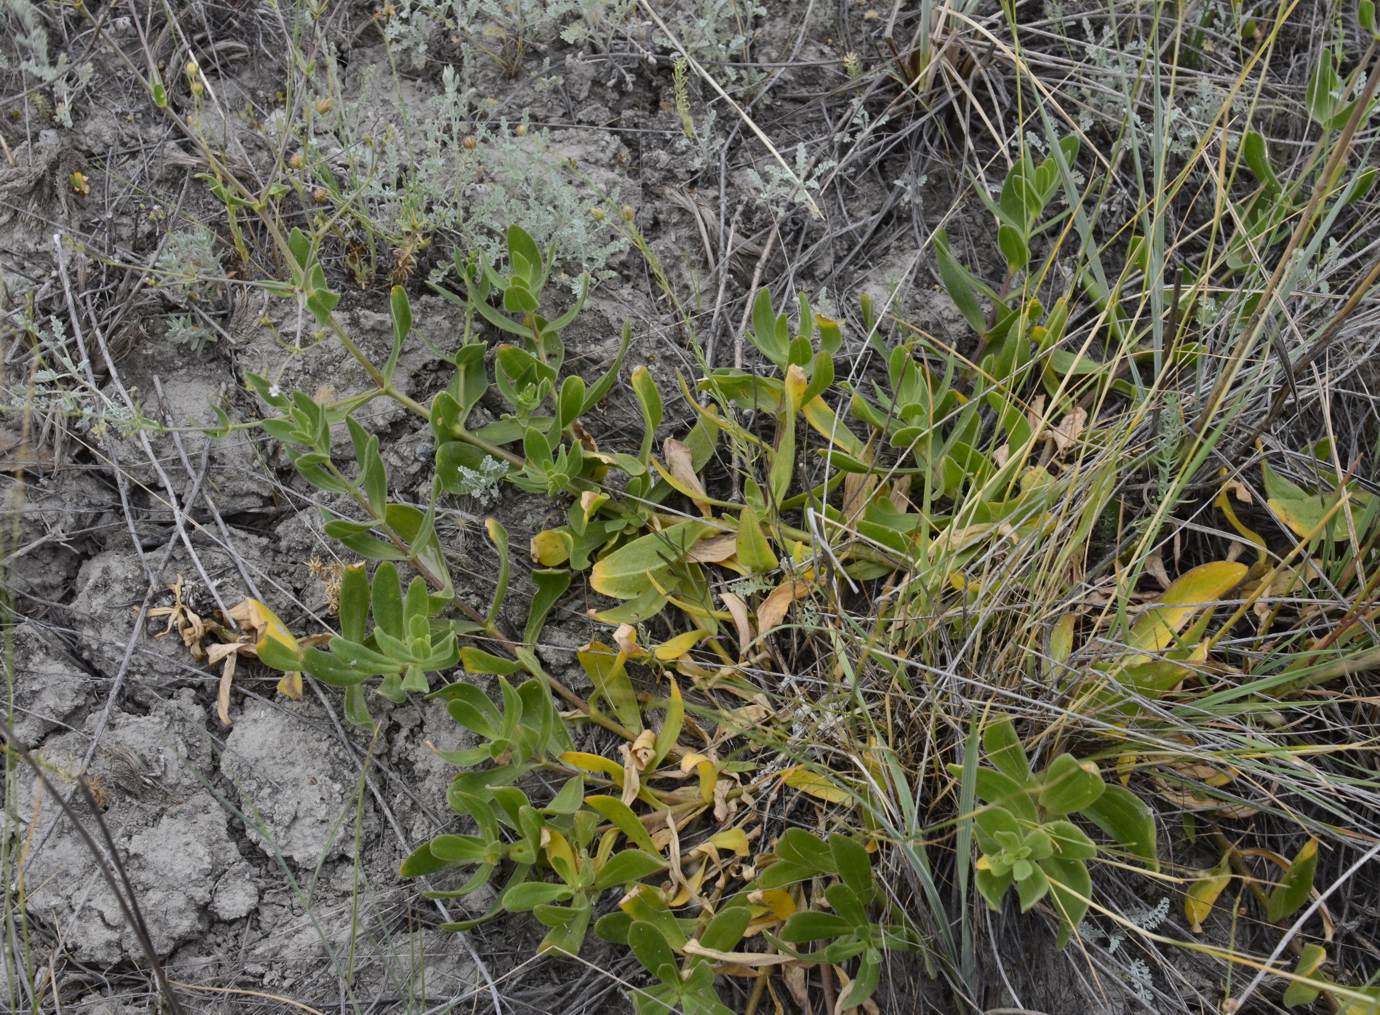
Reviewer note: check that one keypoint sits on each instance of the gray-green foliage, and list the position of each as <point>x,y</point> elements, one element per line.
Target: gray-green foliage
<point>457,171</point>
<point>187,269</point>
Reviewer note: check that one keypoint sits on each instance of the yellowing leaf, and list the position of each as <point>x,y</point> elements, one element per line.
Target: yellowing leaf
<point>734,840</point>
<point>1204,586</point>
<point>549,549</point>
<point>1203,894</point>
<point>774,607</point>
<point>796,383</point>
<point>1061,639</point>
<point>816,785</point>
<point>627,572</point>
<point>776,901</point>
<point>674,648</point>
<point>738,610</point>
<point>824,421</point>
<point>594,763</point>
<point>558,850</point>
<point>290,685</point>
<point>275,646</point>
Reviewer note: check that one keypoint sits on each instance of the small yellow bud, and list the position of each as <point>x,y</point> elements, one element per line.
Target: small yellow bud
<point>323,106</point>
<point>320,195</point>
<point>628,213</point>
<point>520,130</point>
<point>597,214</point>
<point>295,160</point>
<point>469,142</point>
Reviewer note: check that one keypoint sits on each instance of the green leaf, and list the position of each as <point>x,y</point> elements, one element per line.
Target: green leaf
<point>522,246</point>
<point>527,896</point>
<point>357,537</point>
<point>476,660</point>
<point>329,669</point>
<point>865,981</point>
<point>361,658</point>
<point>620,815</point>
<point>1287,897</point>
<point>805,849</point>
<point>994,787</point>
<point>571,402</point>
<point>1032,889</point>
<point>992,887</point>
<point>602,386</point>
<point>649,399</point>
<point>1361,185</point>
<point>401,310</point>
<point>422,862</point>
<point>568,926</point>
<point>1258,159</point>
<point>669,734</point>
<point>813,926</point>
<point>1004,750</point>
<point>959,282</point>
<point>754,551</point>
<point>651,949</point>
<point>765,334</point>
<point>1365,14</point>
<point>994,824</point>
<point>1070,888</point>
<point>300,247</point>
<point>356,708</point>
<point>387,600</point>
<point>845,902</point>
<point>354,602</point>
<point>1069,785</point>
<point>569,799</point>
<point>727,927</point>
<point>783,460</point>
<point>471,708</point>
<point>551,585</point>
<point>459,848</point>
<point>1311,958</point>
<point>1014,247</point>
<point>853,864</point>
<point>1128,820</point>
<point>626,866</point>
<point>1070,841</point>
<point>498,535</point>
<point>1322,94</point>
<point>375,478</point>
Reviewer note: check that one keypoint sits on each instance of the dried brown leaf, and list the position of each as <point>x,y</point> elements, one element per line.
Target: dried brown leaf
<point>774,608</point>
